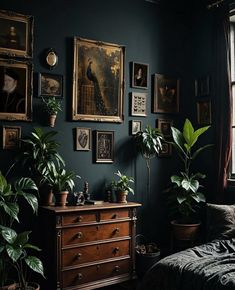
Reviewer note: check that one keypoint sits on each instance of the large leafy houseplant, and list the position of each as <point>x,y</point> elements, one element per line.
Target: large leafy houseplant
<point>10,196</point>
<point>184,194</point>
<point>38,154</point>
<point>149,144</point>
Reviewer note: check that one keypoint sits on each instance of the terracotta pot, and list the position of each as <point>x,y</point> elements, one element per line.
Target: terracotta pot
<point>46,195</point>
<point>61,198</point>
<point>185,232</point>
<point>30,286</point>
<point>51,120</point>
<point>11,286</point>
<point>121,196</point>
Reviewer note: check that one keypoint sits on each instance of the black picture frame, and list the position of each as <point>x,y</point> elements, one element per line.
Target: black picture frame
<point>204,112</point>
<point>104,147</point>
<point>140,75</point>
<point>136,126</point>
<point>202,86</point>
<point>166,94</point>
<point>16,34</point>
<point>164,125</point>
<point>50,85</point>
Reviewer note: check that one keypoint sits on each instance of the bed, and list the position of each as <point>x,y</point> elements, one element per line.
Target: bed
<point>209,266</point>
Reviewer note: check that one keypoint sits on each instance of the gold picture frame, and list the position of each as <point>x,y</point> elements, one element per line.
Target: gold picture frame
<point>83,139</point>
<point>98,81</point>
<point>10,137</point>
<point>16,34</point>
<point>166,94</point>
<point>16,104</point>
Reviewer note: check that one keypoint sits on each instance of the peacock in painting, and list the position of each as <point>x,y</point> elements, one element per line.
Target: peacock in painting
<point>99,102</point>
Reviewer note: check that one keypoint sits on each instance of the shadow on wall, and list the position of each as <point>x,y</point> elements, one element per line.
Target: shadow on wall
<point>126,152</point>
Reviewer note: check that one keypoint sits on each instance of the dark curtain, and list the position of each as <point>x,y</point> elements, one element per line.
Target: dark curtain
<point>223,98</point>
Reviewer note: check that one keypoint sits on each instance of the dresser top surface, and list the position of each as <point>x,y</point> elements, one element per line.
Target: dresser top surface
<point>105,205</point>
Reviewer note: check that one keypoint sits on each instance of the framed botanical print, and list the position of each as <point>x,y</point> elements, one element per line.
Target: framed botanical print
<point>140,75</point>
<point>138,104</point>
<point>50,85</point>
<point>16,91</point>
<point>11,137</point>
<point>98,81</point>
<point>166,94</point>
<point>104,147</point>
<point>83,139</point>
<point>16,34</point>
<point>164,125</point>
<point>136,126</point>
<point>204,112</point>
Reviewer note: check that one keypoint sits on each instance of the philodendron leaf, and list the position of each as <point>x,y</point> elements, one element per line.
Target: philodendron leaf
<point>14,252</point>
<point>35,264</point>
<point>9,235</point>
<point>176,179</point>
<point>181,199</point>
<point>188,131</point>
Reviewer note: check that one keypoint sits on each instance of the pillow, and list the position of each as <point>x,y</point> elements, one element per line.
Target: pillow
<point>220,221</point>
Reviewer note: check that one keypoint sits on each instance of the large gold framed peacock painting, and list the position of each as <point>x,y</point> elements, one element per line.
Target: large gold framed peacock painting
<point>98,81</point>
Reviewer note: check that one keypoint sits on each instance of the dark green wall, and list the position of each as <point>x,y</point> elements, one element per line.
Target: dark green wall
<point>152,33</point>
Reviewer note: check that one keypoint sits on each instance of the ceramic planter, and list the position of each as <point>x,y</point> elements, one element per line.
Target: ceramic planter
<point>51,120</point>
<point>11,286</point>
<point>185,232</point>
<point>121,196</point>
<point>30,286</point>
<point>61,198</point>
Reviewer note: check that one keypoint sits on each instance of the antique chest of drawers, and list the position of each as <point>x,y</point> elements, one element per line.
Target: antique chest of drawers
<point>87,247</point>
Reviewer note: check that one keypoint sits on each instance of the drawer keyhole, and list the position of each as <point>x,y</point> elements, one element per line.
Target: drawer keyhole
<point>79,235</point>
<point>79,276</point>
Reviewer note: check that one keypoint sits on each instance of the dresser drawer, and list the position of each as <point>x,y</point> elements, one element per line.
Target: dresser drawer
<point>73,236</point>
<point>78,218</point>
<point>93,273</point>
<point>80,255</point>
<point>114,214</point>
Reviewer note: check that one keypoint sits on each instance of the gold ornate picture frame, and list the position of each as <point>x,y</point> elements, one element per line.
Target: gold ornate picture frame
<point>98,81</point>
<point>16,96</point>
<point>11,137</point>
<point>16,34</point>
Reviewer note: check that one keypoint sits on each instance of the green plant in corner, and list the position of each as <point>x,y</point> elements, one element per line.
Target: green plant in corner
<point>10,196</point>
<point>184,195</point>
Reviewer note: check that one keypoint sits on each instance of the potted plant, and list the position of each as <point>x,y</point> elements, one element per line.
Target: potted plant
<point>184,194</point>
<point>52,106</point>
<point>39,152</point>
<point>149,143</point>
<point>62,182</point>
<point>15,247</point>
<point>122,186</point>
<point>10,196</point>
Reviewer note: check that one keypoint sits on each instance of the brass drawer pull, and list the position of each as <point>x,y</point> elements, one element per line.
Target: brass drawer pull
<point>78,256</point>
<point>117,269</point>
<point>115,216</point>
<point>97,267</point>
<point>79,218</point>
<point>79,235</point>
<point>116,250</point>
<point>116,231</point>
<point>79,276</point>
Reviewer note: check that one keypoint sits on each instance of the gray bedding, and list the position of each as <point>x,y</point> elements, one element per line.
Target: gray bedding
<point>209,266</point>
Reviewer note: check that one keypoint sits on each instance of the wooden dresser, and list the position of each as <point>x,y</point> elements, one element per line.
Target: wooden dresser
<point>87,247</point>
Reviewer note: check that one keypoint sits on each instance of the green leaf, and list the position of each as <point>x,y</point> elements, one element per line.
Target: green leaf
<point>14,252</point>
<point>188,131</point>
<point>9,235</point>
<point>35,264</point>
